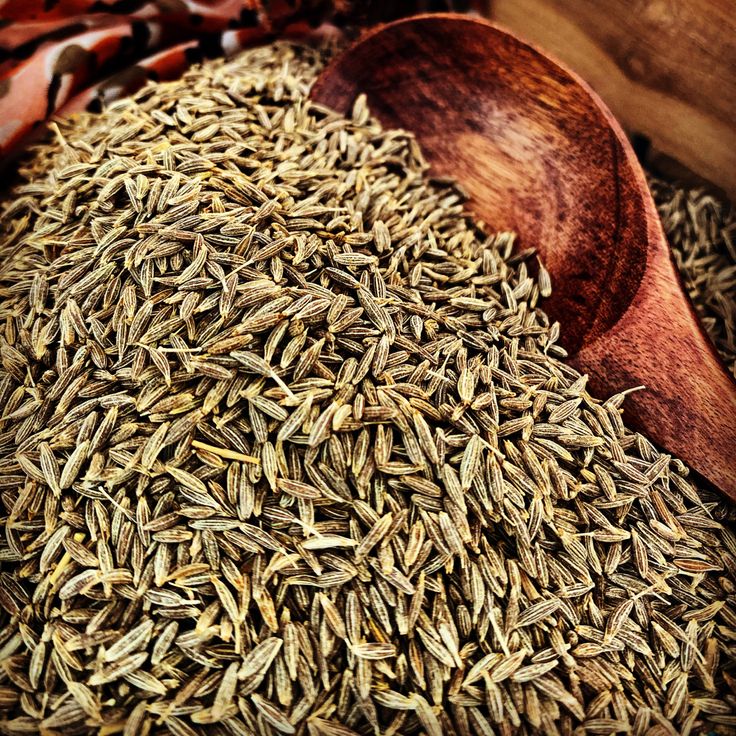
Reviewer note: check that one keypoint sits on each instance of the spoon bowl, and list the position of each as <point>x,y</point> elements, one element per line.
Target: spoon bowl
<point>539,153</point>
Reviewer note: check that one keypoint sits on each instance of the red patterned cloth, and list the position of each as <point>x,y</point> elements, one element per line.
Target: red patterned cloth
<point>58,56</point>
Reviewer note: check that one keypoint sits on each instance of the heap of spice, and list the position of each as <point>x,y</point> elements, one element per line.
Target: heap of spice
<point>287,446</point>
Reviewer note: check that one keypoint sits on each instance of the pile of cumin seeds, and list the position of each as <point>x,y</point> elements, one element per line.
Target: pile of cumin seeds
<point>702,232</point>
<point>287,446</point>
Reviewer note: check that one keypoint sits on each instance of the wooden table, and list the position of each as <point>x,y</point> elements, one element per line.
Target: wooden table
<point>667,69</point>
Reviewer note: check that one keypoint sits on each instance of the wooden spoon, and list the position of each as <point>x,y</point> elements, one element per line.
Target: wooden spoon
<point>539,153</point>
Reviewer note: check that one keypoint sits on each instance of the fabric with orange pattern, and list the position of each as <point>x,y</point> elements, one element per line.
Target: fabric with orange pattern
<point>59,56</point>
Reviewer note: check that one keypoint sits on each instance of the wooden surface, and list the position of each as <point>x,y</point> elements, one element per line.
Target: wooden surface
<point>666,68</point>
<point>539,153</point>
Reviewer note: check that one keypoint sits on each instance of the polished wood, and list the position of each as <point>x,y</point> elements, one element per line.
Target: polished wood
<point>664,67</point>
<point>539,153</point>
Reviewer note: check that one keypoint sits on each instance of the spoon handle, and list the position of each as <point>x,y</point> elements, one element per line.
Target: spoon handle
<point>689,404</point>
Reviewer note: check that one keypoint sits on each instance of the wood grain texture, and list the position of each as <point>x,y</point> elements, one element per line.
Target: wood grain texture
<point>666,68</point>
<point>539,153</point>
